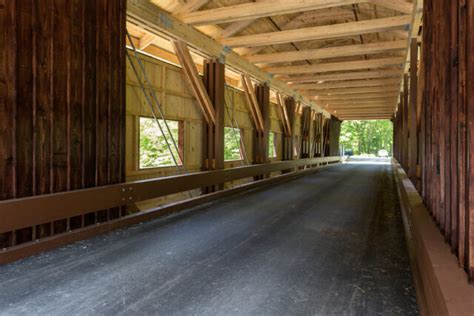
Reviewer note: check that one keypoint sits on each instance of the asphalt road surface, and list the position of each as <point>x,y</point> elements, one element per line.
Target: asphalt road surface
<point>330,243</point>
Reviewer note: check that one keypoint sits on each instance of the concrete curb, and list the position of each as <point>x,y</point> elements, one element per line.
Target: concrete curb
<point>442,286</point>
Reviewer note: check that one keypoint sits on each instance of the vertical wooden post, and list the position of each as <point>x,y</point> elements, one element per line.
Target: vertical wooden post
<point>213,133</point>
<point>287,144</point>
<point>260,138</point>
<point>405,122</point>
<point>326,136</point>
<point>305,132</point>
<point>311,132</point>
<point>412,168</point>
<point>452,108</point>
<point>334,133</point>
<point>401,112</point>
<point>470,107</point>
<point>318,134</point>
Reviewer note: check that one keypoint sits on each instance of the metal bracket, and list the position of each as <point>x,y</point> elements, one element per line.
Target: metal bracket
<point>166,21</point>
<point>127,195</point>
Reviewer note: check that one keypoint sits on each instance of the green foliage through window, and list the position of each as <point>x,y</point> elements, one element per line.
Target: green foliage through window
<point>367,137</point>
<point>153,150</point>
<point>271,145</point>
<point>232,150</point>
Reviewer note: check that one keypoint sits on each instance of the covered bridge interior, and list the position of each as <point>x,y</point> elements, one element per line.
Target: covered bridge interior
<point>183,157</point>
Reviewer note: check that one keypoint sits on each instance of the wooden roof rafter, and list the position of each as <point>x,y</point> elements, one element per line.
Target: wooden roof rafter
<point>339,66</point>
<point>358,90</point>
<point>356,49</point>
<point>296,22</point>
<point>155,20</point>
<point>346,84</point>
<point>261,9</point>
<point>320,32</point>
<point>365,96</point>
<point>329,52</point>
<point>265,8</point>
<point>191,6</point>
<point>334,77</point>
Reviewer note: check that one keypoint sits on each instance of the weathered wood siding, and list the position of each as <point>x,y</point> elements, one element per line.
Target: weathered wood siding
<point>445,131</point>
<point>62,98</point>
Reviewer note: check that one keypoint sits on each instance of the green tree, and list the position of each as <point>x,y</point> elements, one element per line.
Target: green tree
<point>232,144</point>
<point>367,137</point>
<point>271,145</point>
<point>153,149</point>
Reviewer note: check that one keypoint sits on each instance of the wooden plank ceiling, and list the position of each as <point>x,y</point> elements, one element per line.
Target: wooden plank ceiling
<point>347,55</point>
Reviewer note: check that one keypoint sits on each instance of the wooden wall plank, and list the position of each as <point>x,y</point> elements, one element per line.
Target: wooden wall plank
<point>89,115</point>
<point>50,96</point>
<point>43,49</point>
<point>462,133</point>
<point>103,94</point>
<point>60,96</point>
<point>7,99</point>
<point>8,107</point>
<point>453,117</point>
<point>446,124</point>
<point>470,106</point>
<point>412,109</point>
<point>75,119</point>
<point>25,101</point>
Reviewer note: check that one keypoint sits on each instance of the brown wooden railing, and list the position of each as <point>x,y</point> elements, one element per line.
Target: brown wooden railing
<point>28,212</point>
